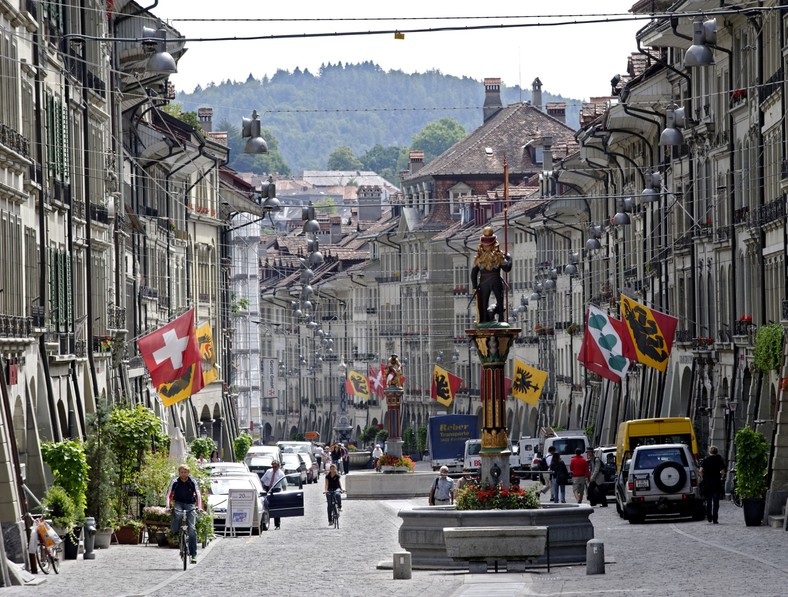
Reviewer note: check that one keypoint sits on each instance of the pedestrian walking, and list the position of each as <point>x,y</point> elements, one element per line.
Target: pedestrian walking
<point>578,465</point>
<point>560,477</point>
<point>596,478</point>
<point>336,457</point>
<point>547,477</point>
<point>712,471</point>
<point>345,459</point>
<point>376,454</point>
<point>442,491</point>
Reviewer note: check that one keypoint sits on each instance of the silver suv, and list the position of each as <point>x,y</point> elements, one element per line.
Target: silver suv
<point>659,479</point>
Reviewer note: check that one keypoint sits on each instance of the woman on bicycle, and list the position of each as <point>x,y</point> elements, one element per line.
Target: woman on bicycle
<point>333,490</point>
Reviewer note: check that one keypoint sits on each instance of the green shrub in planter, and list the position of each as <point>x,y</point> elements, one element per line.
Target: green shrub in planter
<point>768,352</point>
<point>61,508</point>
<point>752,457</point>
<point>241,445</point>
<point>68,464</point>
<point>202,446</point>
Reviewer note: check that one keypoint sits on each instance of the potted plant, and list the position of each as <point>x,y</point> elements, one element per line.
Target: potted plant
<point>60,509</point>
<point>70,469</point>
<point>202,447</point>
<point>128,530</point>
<point>752,456</point>
<point>241,445</point>
<point>101,462</point>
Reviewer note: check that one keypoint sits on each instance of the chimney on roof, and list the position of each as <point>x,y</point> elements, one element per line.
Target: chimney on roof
<point>547,146</point>
<point>492,98</point>
<point>206,119</point>
<point>369,203</point>
<point>536,94</point>
<point>415,161</point>
<point>557,110</point>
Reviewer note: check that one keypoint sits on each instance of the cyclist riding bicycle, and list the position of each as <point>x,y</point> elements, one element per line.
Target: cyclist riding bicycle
<point>333,491</point>
<point>184,496</point>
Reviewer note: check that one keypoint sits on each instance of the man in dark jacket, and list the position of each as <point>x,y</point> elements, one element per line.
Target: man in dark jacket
<point>711,473</point>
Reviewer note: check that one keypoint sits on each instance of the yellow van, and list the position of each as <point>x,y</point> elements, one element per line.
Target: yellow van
<point>647,432</point>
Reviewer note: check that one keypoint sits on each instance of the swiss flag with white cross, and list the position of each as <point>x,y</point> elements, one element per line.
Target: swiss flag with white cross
<point>170,351</point>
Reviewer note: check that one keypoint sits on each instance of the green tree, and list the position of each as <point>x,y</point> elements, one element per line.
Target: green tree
<point>343,158</point>
<point>326,206</point>
<point>368,434</point>
<point>437,137</point>
<point>421,441</point>
<point>102,463</point>
<point>176,111</point>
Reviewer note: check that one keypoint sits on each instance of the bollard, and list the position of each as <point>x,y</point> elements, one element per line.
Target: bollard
<point>89,538</point>
<point>402,565</point>
<point>595,557</point>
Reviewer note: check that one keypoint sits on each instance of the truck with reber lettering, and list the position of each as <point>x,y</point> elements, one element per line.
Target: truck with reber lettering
<point>446,435</point>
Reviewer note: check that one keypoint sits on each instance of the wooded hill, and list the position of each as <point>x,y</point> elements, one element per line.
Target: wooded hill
<point>355,105</point>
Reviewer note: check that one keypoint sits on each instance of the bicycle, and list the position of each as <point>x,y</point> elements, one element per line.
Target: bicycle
<point>183,537</point>
<point>335,510</point>
<point>47,544</point>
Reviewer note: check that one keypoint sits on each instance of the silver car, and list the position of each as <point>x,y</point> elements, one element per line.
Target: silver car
<point>219,495</point>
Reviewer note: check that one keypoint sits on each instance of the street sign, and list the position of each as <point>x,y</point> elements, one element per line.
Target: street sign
<point>310,435</point>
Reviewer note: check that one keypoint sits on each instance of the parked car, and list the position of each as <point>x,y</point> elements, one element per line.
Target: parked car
<point>659,479</point>
<point>260,464</point>
<point>222,468</point>
<point>294,468</point>
<point>256,451</point>
<point>219,495</point>
<point>312,470</point>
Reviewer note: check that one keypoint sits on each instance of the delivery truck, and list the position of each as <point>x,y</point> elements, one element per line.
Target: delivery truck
<point>446,435</point>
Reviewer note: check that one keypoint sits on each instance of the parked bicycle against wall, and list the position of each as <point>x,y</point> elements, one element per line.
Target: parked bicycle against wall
<point>45,543</point>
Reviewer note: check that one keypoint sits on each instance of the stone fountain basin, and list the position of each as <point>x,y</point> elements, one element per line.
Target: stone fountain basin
<point>422,535</point>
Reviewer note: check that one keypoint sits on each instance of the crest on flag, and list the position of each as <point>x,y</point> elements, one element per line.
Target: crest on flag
<point>205,340</point>
<point>650,331</point>
<point>188,384</point>
<point>528,382</point>
<point>444,385</point>
<point>171,350</point>
<point>357,385</point>
<point>606,348</point>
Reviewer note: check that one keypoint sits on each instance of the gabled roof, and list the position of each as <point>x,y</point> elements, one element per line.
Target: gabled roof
<point>506,135</point>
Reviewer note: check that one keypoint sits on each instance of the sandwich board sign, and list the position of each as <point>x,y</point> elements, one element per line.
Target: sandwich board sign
<point>240,509</point>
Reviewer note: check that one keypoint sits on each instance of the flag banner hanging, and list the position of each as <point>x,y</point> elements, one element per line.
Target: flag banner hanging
<point>528,382</point>
<point>651,332</point>
<point>205,341</point>
<point>188,384</point>
<point>444,385</point>
<point>606,348</point>
<point>357,385</point>
<point>377,380</point>
<point>171,350</point>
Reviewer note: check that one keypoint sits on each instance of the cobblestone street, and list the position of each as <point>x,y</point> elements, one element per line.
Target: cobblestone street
<point>307,557</point>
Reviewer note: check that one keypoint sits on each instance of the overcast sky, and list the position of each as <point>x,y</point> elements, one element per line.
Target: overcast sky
<point>575,60</point>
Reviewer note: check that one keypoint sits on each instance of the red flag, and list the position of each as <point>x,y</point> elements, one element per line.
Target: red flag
<point>170,351</point>
<point>377,380</point>
<point>507,383</point>
<point>606,348</point>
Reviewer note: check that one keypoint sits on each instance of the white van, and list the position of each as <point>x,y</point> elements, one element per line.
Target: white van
<point>527,452</point>
<point>566,442</point>
<point>472,461</point>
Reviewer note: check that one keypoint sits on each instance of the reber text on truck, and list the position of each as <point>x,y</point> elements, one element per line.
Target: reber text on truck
<point>446,435</point>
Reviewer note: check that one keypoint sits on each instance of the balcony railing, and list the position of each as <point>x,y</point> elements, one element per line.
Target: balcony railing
<point>14,326</point>
<point>775,210</point>
<point>116,318</point>
<point>10,138</point>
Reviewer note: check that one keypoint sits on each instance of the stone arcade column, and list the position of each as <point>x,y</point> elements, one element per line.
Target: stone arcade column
<point>493,344</point>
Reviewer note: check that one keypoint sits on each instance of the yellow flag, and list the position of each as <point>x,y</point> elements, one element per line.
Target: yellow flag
<point>205,340</point>
<point>444,385</point>
<point>357,384</point>
<point>527,383</point>
<point>181,388</point>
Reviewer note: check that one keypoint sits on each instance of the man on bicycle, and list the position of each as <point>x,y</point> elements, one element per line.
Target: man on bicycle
<point>333,490</point>
<point>184,496</point>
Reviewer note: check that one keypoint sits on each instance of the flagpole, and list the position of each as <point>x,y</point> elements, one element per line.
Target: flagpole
<point>506,232</point>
